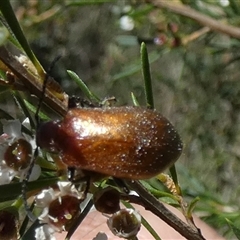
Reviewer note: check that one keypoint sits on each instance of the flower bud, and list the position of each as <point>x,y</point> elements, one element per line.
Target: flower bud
<point>107,200</point>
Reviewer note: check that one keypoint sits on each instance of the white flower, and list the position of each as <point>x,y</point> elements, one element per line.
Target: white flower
<point>57,203</point>
<point>15,153</point>
<point>44,232</point>
<point>126,23</point>
<point>12,128</point>
<point>6,173</point>
<point>224,3</point>
<point>45,197</point>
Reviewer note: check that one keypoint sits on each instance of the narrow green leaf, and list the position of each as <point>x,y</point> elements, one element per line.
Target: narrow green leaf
<point>86,3</point>
<point>44,163</point>
<point>13,190</point>
<point>12,21</point>
<point>147,76</point>
<point>82,86</point>
<point>191,206</point>
<point>126,72</point>
<point>174,174</point>
<point>144,222</point>
<point>4,34</point>
<point>24,108</point>
<point>235,229</point>
<point>150,229</point>
<point>134,68</point>
<point>25,224</point>
<point>33,109</point>
<point>11,36</point>
<point>134,99</point>
<point>157,193</point>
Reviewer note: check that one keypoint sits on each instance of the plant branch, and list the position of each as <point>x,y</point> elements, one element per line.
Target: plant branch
<point>54,98</point>
<point>203,19</point>
<point>156,207</point>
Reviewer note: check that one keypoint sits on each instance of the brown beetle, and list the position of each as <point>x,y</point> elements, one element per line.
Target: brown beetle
<point>123,142</point>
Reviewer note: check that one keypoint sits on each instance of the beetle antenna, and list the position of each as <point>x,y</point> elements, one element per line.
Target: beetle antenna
<point>37,119</point>
<point>24,187</point>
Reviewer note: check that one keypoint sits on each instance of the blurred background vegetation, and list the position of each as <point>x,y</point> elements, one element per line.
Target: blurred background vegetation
<point>195,71</point>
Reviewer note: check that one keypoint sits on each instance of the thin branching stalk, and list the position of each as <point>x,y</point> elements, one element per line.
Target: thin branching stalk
<point>181,9</point>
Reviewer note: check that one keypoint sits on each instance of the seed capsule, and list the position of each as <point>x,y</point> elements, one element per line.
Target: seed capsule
<point>124,142</point>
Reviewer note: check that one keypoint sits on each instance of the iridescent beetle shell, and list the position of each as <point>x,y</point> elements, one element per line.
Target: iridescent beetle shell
<point>124,142</point>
